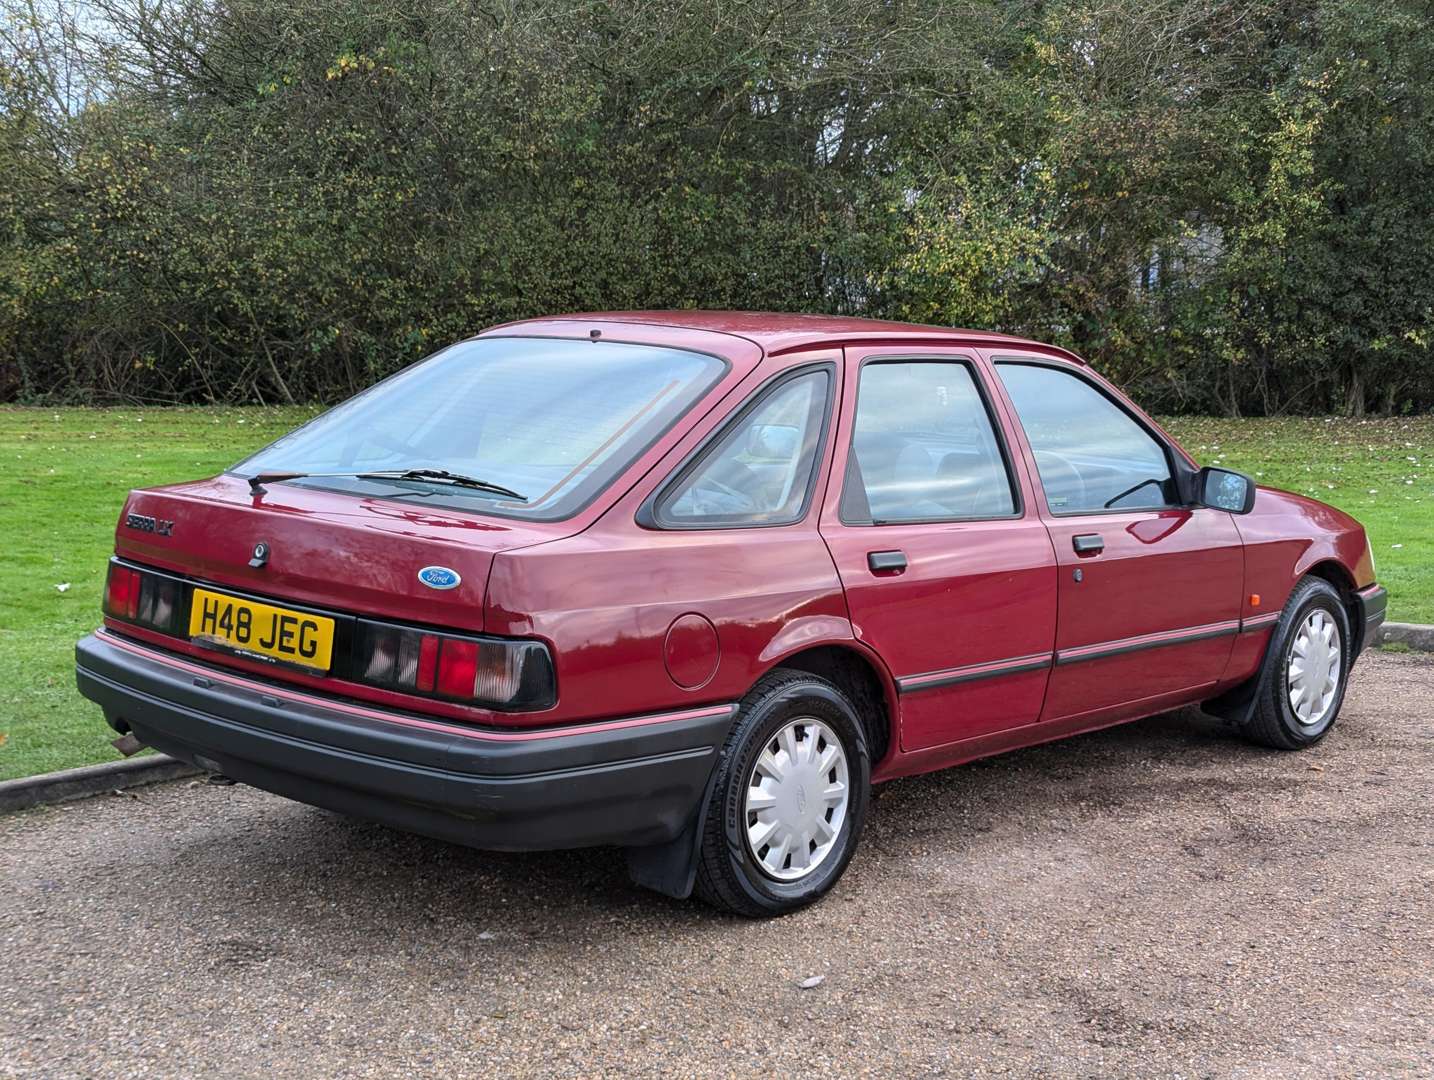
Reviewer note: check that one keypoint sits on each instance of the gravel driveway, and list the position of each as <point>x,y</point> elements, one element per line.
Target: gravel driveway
<point>1160,899</point>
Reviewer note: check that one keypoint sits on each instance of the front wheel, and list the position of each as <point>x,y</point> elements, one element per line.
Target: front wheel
<point>1308,667</point>
<point>789,799</point>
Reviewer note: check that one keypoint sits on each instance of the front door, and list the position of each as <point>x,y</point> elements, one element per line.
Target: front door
<point>1149,590</point>
<point>949,572</point>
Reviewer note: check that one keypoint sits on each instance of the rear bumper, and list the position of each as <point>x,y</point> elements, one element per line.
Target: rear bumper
<point>634,782</point>
<point>1372,603</point>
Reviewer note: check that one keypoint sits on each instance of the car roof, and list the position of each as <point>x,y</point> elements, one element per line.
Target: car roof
<point>784,332</point>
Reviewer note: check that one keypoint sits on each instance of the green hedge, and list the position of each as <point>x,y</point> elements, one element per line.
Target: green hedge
<point>1224,205</point>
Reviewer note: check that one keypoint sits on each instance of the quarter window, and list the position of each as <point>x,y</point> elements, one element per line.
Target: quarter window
<point>923,447</point>
<point>1091,454</point>
<point>760,470</point>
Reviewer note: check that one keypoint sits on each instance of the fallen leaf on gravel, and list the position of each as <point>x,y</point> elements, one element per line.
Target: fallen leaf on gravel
<point>1316,768</point>
<point>812,983</point>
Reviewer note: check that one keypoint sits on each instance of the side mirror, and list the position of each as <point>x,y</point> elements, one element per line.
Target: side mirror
<point>1224,489</point>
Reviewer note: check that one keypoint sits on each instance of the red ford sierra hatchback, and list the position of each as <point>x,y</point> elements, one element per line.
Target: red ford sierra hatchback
<point>690,583</point>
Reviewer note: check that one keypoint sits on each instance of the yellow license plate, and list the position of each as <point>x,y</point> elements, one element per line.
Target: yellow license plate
<point>270,633</point>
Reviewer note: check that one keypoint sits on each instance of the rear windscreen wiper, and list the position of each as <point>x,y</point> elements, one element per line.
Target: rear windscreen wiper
<point>257,482</point>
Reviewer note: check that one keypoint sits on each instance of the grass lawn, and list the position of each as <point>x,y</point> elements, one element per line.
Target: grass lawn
<point>1381,471</point>
<point>64,474</point>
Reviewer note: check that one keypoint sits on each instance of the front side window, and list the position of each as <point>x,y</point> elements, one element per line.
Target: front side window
<point>1091,454</point>
<point>554,420</point>
<point>923,448</point>
<point>760,470</point>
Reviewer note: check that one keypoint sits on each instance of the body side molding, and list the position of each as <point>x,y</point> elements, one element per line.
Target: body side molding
<point>1016,665</point>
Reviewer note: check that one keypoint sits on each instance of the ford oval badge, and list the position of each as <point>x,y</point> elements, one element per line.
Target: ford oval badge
<point>439,577</point>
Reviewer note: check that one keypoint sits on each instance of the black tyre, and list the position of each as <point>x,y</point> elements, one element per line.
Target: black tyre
<point>1302,687</point>
<point>789,800</point>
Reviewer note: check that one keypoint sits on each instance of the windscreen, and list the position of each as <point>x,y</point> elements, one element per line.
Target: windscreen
<point>553,420</point>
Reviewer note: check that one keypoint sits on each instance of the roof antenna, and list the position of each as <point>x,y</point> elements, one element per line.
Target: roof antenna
<point>594,334</point>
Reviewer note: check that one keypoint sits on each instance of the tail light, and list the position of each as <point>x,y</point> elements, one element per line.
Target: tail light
<point>510,675</point>
<point>495,673</point>
<point>122,592</point>
<point>151,600</point>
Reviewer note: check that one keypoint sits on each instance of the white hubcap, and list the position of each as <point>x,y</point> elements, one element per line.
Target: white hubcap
<point>796,799</point>
<point>1314,668</point>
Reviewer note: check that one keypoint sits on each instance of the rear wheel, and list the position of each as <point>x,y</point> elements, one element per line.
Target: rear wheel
<point>789,800</point>
<point>1301,697</point>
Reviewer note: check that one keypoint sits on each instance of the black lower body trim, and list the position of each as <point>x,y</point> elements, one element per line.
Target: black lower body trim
<point>931,680</point>
<point>1140,644</point>
<point>631,785</point>
<point>1255,623</point>
<point>1373,604</point>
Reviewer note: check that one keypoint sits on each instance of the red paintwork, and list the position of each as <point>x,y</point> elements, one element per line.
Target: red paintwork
<point>973,593</point>
<point>692,651</point>
<point>644,622</point>
<point>778,334</point>
<point>1160,571</point>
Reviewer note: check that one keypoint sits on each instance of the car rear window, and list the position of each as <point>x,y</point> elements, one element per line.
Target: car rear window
<point>553,419</point>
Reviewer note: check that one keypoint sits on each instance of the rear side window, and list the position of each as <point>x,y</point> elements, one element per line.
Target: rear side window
<point>1091,454</point>
<point>923,448</point>
<point>760,470</point>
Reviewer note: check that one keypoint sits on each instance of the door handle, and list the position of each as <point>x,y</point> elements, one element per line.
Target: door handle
<point>1088,544</point>
<point>886,560</point>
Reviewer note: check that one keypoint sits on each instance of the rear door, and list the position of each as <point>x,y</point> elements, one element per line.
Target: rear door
<point>1149,593</point>
<point>948,570</point>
